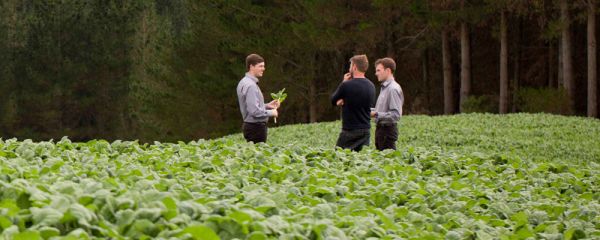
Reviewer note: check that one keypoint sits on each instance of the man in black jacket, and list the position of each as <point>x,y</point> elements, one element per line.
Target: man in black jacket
<point>356,96</point>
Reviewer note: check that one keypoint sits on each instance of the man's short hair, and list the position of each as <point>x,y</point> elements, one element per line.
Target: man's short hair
<point>387,63</point>
<point>361,62</point>
<point>253,59</point>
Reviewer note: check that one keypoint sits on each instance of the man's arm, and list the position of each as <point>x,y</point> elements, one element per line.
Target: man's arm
<point>338,94</point>
<point>373,97</point>
<point>253,106</point>
<point>395,107</point>
<point>272,105</point>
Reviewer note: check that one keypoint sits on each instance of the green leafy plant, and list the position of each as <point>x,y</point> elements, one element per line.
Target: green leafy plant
<point>471,176</point>
<point>481,104</point>
<point>280,97</point>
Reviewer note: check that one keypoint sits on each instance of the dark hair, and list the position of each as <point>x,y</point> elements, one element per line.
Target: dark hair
<point>253,59</point>
<point>387,63</point>
<point>361,62</point>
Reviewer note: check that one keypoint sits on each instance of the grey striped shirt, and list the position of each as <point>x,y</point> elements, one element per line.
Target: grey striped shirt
<point>389,103</point>
<point>251,100</point>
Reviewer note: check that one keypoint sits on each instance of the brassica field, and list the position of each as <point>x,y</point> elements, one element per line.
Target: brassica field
<point>475,176</point>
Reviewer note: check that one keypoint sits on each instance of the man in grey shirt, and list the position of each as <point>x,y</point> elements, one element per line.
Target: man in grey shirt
<point>388,108</point>
<point>255,113</point>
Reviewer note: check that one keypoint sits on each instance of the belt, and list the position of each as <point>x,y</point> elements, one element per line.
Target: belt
<point>256,123</point>
<point>387,124</point>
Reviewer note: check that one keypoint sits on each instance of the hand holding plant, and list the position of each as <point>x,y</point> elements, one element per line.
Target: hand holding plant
<point>279,97</point>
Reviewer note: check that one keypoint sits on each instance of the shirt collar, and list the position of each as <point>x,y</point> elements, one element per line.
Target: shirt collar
<point>387,82</point>
<point>255,79</point>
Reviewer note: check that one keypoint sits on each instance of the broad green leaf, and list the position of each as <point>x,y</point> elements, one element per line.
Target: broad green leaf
<point>257,236</point>
<point>28,235</point>
<point>46,216</point>
<point>201,232</point>
<point>520,219</point>
<point>241,217</point>
<point>171,206</point>
<point>48,232</point>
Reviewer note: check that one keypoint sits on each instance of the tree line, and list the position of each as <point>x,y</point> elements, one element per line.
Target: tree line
<point>167,70</point>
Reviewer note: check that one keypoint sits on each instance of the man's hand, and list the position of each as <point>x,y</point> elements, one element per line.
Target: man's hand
<point>347,76</point>
<point>275,113</point>
<point>340,102</point>
<point>373,114</point>
<point>273,104</point>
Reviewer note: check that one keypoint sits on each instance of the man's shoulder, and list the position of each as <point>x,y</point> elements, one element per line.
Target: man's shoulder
<point>369,83</point>
<point>363,81</point>
<point>246,81</point>
<point>245,85</point>
<point>396,86</point>
<point>241,83</point>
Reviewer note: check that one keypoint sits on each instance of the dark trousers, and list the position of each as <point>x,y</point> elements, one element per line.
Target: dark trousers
<point>354,139</point>
<point>386,136</point>
<point>255,132</point>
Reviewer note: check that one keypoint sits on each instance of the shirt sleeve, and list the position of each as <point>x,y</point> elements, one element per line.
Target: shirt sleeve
<point>395,107</point>
<point>253,106</point>
<point>338,94</point>
<point>373,97</point>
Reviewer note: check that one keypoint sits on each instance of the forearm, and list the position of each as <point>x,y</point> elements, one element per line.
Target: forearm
<point>389,116</point>
<point>337,95</point>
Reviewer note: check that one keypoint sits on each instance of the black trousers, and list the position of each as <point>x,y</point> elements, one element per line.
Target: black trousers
<point>386,136</point>
<point>255,132</point>
<point>354,139</point>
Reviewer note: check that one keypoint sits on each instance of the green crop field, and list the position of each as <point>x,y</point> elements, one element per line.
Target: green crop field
<point>471,176</point>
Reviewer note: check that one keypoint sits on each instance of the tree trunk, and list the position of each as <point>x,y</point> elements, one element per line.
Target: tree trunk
<point>426,78</point>
<point>465,72</point>
<point>503,64</point>
<point>560,81</point>
<point>567,55</point>
<point>551,67</point>
<point>516,81</point>
<point>447,65</point>
<point>312,105</point>
<point>592,108</point>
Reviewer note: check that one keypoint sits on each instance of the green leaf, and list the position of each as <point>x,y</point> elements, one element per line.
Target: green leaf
<point>232,229</point>
<point>201,232</point>
<point>573,234</point>
<point>257,236</point>
<point>46,216</point>
<point>241,217</point>
<point>11,206</point>
<point>142,227</point>
<point>5,223</point>
<point>78,234</point>
<point>520,219</point>
<point>28,235</point>
<point>125,217</point>
<point>387,221</point>
<point>457,185</point>
<point>279,96</point>
<point>171,206</point>
<point>524,232</point>
<point>48,232</point>
<point>83,215</point>
<point>23,202</point>
<point>148,213</point>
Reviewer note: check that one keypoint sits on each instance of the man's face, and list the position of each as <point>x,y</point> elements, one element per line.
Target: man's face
<point>382,73</point>
<point>258,69</point>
